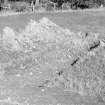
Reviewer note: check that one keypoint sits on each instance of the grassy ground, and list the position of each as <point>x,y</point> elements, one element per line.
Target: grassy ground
<point>86,21</point>
<point>23,73</point>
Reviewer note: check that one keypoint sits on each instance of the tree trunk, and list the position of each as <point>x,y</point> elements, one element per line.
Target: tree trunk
<point>37,2</point>
<point>5,1</point>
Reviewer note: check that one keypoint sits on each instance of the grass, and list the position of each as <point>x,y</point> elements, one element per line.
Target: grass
<point>86,21</point>
<point>43,55</point>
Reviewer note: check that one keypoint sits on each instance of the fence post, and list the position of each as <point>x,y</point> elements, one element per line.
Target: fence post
<point>54,6</point>
<point>32,6</point>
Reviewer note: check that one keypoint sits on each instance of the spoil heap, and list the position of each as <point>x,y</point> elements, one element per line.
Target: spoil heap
<point>47,55</point>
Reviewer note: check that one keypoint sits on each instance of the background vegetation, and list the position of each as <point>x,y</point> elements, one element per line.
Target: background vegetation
<point>51,4</point>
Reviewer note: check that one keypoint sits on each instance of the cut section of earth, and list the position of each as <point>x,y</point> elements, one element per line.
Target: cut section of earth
<point>45,64</point>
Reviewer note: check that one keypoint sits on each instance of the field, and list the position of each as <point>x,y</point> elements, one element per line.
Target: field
<point>53,58</point>
<point>86,21</point>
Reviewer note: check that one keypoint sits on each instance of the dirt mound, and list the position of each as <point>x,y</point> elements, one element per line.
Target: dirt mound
<point>9,38</point>
<point>47,55</point>
<point>44,30</point>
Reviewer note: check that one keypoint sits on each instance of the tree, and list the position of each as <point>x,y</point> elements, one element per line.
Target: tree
<point>5,1</point>
<point>37,2</point>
